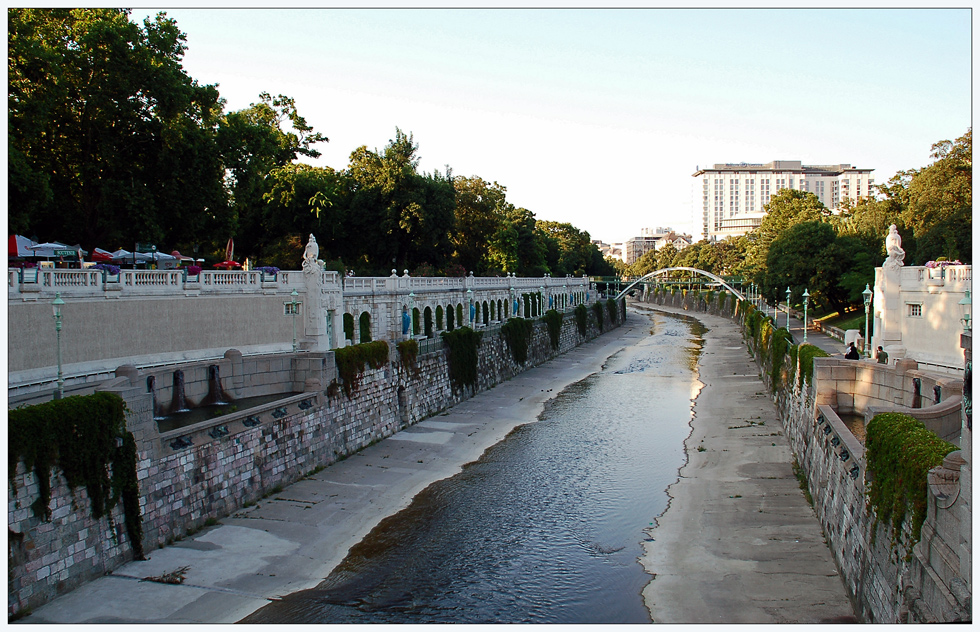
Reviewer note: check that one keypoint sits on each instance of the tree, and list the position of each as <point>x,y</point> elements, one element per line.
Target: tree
<point>109,140</point>
<point>480,207</point>
<point>786,209</point>
<point>300,201</point>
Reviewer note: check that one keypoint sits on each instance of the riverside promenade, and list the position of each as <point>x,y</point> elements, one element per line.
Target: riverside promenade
<point>738,542</point>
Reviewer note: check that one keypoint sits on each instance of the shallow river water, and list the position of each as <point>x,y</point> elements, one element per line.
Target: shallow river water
<point>546,527</point>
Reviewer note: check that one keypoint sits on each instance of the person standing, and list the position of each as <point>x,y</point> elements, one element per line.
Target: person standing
<point>881,356</point>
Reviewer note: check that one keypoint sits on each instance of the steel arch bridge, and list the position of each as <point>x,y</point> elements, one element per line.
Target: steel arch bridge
<point>714,277</point>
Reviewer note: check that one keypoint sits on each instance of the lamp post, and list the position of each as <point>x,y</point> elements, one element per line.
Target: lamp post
<point>787,308</point>
<point>56,307</point>
<point>292,308</point>
<point>965,305</point>
<point>806,303</point>
<point>867,294</point>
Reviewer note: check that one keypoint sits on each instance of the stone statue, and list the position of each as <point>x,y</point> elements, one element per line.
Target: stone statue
<point>893,246</point>
<point>310,265</point>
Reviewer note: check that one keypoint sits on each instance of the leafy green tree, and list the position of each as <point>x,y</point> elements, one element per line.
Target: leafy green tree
<point>480,207</point>
<point>300,201</point>
<point>516,247</point>
<point>786,209</point>
<point>569,249</point>
<point>109,140</point>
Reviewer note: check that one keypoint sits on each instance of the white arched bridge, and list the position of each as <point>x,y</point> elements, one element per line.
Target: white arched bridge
<point>714,277</point>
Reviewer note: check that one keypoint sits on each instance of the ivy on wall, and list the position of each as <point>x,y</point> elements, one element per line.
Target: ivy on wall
<point>408,351</point>
<point>86,437</point>
<point>582,319</point>
<point>805,355</point>
<point>553,320</point>
<point>597,309</point>
<point>900,451</point>
<point>352,360</point>
<point>463,344</point>
<point>777,354</point>
<point>517,333</point>
<point>611,307</point>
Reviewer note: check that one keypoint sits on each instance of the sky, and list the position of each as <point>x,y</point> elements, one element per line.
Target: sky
<point>599,117</point>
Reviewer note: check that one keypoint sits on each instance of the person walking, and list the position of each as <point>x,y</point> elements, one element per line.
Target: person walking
<point>852,352</point>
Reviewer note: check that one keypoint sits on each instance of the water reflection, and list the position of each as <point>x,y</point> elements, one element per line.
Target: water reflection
<point>546,527</point>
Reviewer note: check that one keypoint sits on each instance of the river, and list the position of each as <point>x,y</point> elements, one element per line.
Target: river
<point>546,527</point>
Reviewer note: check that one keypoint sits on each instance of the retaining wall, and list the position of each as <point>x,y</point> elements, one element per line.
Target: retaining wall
<point>206,471</point>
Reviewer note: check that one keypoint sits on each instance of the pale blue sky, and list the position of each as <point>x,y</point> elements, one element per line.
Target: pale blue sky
<point>599,117</point>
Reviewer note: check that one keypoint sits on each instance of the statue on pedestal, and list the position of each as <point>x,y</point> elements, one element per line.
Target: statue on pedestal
<point>893,246</point>
<point>310,265</point>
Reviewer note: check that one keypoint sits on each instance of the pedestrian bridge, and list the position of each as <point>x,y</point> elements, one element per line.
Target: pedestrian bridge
<point>646,278</point>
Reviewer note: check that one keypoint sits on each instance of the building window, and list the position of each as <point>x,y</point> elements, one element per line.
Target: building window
<point>915,310</point>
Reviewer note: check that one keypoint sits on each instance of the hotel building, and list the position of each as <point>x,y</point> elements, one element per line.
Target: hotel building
<point>729,199</point>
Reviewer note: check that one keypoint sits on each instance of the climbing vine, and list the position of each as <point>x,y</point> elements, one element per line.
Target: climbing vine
<point>517,333</point>
<point>777,353</point>
<point>805,355</point>
<point>553,320</point>
<point>597,308</point>
<point>463,344</point>
<point>611,307</point>
<point>900,451</point>
<point>408,351</point>
<point>707,296</point>
<point>352,360</point>
<point>86,437</point>
<point>582,319</point>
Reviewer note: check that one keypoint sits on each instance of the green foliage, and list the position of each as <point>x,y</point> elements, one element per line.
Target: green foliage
<point>582,319</point>
<point>352,360</point>
<point>597,309</point>
<point>900,451</point>
<point>408,351</point>
<point>777,350</point>
<point>80,435</point>
<point>517,332</point>
<point>611,308</point>
<point>463,346</point>
<point>553,319</point>
<point>707,296</point>
<point>805,355</point>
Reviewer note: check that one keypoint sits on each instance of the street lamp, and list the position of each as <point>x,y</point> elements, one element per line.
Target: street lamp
<point>787,308</point>
<point>867,294</point>
<point>965,304</point>
<point>56,307</point>
<point>806,303</point>
<point>292,308</point>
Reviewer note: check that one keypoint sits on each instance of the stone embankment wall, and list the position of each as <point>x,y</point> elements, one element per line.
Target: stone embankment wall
<point>887,582</point>
<point>206,471</point>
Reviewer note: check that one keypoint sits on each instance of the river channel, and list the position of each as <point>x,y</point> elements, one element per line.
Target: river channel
<point>547,526</point>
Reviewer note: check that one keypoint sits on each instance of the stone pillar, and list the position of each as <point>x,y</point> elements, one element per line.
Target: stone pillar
<point>965,549</point>
<point>888,298</point>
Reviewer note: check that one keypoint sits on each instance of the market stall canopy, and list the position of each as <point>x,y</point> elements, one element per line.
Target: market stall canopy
<point>125,255</point>
<point>19,246</point>
<point>181,257</point>
<point>101,255</point>
<point>52,249</point>
<point>228,265</point>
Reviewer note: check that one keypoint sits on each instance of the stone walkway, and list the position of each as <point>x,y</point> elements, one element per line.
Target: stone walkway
<point>738,542</point>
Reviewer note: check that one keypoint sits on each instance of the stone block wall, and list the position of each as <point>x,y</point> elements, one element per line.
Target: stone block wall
<point>210,469</point>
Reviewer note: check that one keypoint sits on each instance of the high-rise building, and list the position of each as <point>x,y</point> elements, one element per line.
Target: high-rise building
<point>729,199</point>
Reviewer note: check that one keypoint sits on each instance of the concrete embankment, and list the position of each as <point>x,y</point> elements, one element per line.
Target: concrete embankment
<point>291,540</point>
<point>738,542</point>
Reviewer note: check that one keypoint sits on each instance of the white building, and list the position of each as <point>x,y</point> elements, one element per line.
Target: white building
<point>729,199</point>
<point>653,239</point>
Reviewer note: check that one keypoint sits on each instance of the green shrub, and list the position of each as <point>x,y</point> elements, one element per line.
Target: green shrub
<point>900,451</point>
<point>517,333</point>
<point>86,437</point>
<point>777,354</point>
<point>463,346</point>
<point>352,360</point>
<point>553,319</point>
<point>806,353</point>
<point>582,319</point>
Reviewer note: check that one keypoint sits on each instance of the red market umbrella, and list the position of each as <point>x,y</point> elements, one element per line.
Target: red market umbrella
<point>19,246</point>
<point>99,254</point>
<point>228,265</point>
